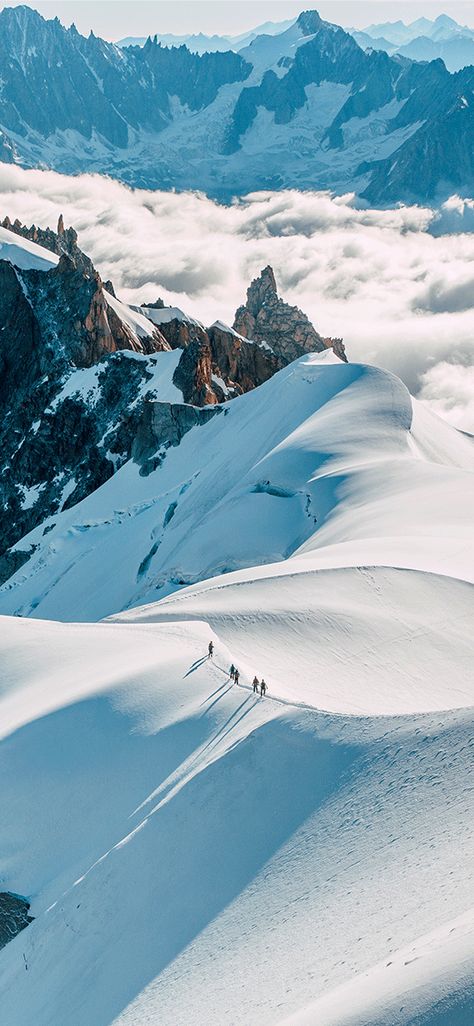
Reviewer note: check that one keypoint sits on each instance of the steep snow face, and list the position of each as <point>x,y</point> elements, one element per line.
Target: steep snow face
<point>25,254</point>
<point>324,463</point>
<point>187,844</point>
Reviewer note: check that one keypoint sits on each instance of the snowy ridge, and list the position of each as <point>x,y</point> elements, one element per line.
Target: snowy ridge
<point>279,860</point>
<point>25,254</point>
<point>344,476</point>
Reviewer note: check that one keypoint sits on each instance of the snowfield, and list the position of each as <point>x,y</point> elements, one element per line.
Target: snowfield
<point>194,853</point>
<point>326,465</point>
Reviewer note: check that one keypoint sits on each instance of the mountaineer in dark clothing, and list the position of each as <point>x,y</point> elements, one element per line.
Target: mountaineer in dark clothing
<point>210,649</point>
<point>255,684</point>
<point>232,672</point>
<point>263,687</point>
<point>236,676</point>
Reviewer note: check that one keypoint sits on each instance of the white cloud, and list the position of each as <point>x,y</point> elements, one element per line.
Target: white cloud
<point>398,290</point>
<point>449,390</point>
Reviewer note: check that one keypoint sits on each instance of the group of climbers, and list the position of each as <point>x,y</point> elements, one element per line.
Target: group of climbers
<point>235,675</point>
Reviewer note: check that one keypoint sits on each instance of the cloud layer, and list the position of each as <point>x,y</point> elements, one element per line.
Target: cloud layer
<point>398,285</point>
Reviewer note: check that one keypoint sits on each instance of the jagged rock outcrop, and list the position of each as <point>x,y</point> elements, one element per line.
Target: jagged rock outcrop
<point>77,373</point>
<point>242,364</point>
<point>162,425</point>
<point>179,331</point>
<point>193,374</point>
<point>236,364</point>
<point>56,448</point>
<point>13,916</point>
<point>285,329</point>
<point>63,240</point>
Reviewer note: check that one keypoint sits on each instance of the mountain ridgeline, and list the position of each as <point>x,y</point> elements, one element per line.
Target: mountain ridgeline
<point>307,108</point>
<point>88,383</point>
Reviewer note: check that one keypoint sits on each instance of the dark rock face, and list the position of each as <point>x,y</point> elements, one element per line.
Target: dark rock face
<point>286,329</point>
<point>54,449</point>
<point>441,150</point>
<point>162,425</point>
<point>13,916</point>
<point>216,353</point>
<point>180,333</point>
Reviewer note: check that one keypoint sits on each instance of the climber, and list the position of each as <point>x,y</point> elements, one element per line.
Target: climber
<point>210,649</point>
<point>232,672</point>
<point>255,684</point>
<point>236,676</point>
<point>263,687</point>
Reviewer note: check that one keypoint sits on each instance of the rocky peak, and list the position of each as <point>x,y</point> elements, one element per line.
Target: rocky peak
<point>286,329</point>
<point>261,290</point>
<point>309,22</point>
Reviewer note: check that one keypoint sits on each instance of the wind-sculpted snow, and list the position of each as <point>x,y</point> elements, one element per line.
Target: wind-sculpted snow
<point>188,845</point>
<point>324,463</point>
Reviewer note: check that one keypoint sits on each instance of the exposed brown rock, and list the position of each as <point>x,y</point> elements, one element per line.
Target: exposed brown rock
<point>286,329</point>
<point>242,364</point>
<point>193,374</point>
<point>179,334</point>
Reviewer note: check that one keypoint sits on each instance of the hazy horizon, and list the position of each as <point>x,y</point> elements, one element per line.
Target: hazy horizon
<point>115,19</point>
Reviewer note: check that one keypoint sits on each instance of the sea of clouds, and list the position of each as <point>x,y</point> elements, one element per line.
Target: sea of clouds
<point>397,285</point>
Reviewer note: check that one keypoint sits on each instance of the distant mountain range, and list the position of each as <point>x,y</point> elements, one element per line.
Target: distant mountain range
<point>303,108</point>
<point>422,40</point>
<point>201,43</point>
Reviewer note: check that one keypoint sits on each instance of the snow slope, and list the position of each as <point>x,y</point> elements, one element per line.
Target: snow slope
<point>197,854</point>
<point>193,852</point>
<point>345,475</point>
<point>25,254</point>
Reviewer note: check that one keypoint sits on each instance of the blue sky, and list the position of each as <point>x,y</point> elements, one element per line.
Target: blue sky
<point>114,19</point>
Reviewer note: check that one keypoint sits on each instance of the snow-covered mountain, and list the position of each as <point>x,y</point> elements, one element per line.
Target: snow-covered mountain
<point>422,40</point>
<point>306,107</point>
<point>324,465</point>
<point>186,844</point>
<point>441,28</point>
<point>169,839</point>
<point>79,369</point>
